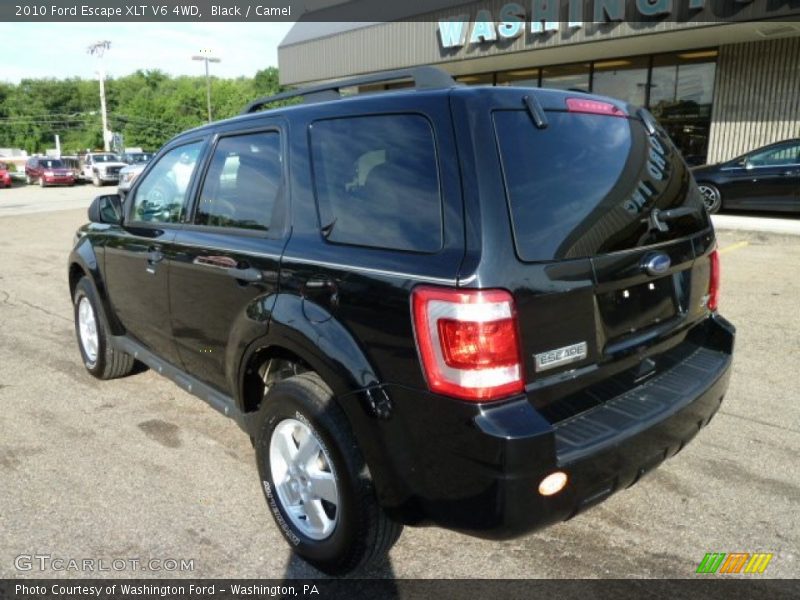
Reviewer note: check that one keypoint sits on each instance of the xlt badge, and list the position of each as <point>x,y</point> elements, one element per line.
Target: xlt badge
<point>560,356</point>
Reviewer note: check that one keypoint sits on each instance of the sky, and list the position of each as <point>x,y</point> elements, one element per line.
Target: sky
<point>37,50</point>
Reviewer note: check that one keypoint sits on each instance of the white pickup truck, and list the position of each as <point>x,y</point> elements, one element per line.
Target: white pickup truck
<point>101,168</point>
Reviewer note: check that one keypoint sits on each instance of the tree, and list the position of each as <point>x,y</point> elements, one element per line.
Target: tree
<point>146,107</point>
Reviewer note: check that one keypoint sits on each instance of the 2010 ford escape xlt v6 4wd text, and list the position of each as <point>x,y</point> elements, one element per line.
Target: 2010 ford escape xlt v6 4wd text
<point>486,309</point>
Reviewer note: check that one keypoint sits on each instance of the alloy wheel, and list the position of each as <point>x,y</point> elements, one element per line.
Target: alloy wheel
<point>87,328</point>
<point>711,197</point>
<point>304,478</point>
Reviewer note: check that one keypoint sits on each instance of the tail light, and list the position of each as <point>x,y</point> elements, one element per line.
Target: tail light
<point>594,107</point>
<point>713,281</point>
<point>468,341</point>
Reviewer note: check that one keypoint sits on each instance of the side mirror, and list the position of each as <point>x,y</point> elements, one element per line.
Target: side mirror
<point>106,209</point>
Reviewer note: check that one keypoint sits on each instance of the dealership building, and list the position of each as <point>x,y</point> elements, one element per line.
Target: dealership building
<point>720,88</point>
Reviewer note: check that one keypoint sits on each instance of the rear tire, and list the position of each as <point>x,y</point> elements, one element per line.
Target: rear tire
<point>344,528</point>
<point>28,180</point>
<point>96,346</point>
<point>712,198</point>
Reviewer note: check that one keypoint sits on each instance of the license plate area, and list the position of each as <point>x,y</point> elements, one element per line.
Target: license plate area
<point>631,309</point>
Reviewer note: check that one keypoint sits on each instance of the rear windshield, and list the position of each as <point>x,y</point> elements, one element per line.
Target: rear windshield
<point>587,185</point>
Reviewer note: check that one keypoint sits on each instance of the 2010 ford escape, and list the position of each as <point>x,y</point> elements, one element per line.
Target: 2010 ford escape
<point>481,308</point>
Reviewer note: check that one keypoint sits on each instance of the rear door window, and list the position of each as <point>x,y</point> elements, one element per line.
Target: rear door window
<point>243,183</point>
<point>587,184</point>
<point>377,182</point>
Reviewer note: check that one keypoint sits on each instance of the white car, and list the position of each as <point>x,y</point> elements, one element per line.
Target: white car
<point>101,168</point>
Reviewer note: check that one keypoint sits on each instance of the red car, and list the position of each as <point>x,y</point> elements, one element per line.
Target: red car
<point>5,176</point>
<point>48,171</point>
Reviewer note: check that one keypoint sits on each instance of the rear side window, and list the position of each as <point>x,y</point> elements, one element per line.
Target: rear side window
<point>377,182</point>
<point>776,157</point>
<point>243,182</point>
<point>587,184</point>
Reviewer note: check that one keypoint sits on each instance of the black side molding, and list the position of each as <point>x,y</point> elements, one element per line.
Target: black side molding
<point>217,400</point>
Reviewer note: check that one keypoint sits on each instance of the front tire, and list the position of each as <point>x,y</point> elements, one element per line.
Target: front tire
<point>712,198</point>
<point>316,483</point>
<point>99,355</point>
<point>96,180</point>
<point>42,183</point>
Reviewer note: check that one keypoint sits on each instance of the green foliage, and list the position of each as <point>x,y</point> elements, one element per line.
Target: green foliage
<point>146,107</point>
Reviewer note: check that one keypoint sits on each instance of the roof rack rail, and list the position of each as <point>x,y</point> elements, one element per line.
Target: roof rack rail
<point>425,78</point>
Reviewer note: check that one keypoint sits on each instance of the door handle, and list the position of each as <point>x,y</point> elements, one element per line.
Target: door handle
<point>247,274</point>
<point>320,283</point>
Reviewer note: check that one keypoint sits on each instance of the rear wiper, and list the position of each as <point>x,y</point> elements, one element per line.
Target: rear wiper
<point>657,219</point>
<point>536,111</point>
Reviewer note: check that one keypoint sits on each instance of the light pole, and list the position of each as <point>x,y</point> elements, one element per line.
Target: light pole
<point>98,49</point>
<point>205,56</point>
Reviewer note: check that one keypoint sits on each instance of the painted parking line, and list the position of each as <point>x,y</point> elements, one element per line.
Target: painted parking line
<point>732,247</point>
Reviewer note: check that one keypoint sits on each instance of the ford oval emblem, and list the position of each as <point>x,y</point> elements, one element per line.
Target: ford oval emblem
<point>657,264</point>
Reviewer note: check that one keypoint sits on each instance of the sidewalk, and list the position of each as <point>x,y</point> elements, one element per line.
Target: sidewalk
<point>789,225</point>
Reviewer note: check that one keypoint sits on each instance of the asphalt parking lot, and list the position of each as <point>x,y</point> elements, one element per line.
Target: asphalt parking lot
<point>136,468</point>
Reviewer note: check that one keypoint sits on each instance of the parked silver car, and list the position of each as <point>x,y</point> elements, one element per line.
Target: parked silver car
<point>127,176</point>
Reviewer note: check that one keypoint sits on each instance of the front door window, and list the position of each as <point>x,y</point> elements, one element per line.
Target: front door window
<point>162,195</point>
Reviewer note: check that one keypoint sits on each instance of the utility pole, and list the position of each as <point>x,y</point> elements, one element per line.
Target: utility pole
<point>98,49</point>
<point>205,56</point>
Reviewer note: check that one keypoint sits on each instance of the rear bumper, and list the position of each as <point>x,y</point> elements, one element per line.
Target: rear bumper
<point>481,476</point>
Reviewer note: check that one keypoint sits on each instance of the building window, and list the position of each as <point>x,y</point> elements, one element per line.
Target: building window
<point>520,77</point>
<point>478,79</point>
<point>567,77</point>
<point>681,94</point>
<point>624,79</point>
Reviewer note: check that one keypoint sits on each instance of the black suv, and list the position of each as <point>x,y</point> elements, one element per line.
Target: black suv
<point>485,309</point>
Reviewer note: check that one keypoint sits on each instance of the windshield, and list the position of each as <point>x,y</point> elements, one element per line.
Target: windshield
<point>106,158</point>
<point>587,184</point>
<point>52,164</point>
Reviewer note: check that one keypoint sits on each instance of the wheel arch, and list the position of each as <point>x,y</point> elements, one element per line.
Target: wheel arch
<point>83,262</point>
<point>330,351</point>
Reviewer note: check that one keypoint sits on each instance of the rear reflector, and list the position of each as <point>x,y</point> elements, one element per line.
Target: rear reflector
<point>713,281</point>
<point>468,342</point>
<point>594,107</point>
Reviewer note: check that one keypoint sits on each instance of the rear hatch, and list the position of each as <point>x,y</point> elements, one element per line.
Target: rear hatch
<point>612,244</point>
